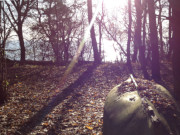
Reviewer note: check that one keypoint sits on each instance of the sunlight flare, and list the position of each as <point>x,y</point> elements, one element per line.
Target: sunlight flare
<point>79,50</point>
<point>111,4</point>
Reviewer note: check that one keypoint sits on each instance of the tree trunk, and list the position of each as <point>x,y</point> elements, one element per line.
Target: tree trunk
<point>3,92</point>
<point>100,37</point>
<point>56,52</point>
<point>129,38</point>
<point>134,58</point>
<point>55,46</point>
<point>97,58</point>
<point>144,25</point>
<point>154,41</point>
<point>170,34</point>
<point>21,40</point>
<point>66,51</point>
<point>3,86</point>
<point>160,30</point>
<point>176,46</point>
<point>137,37</point>
<point>100,31</point>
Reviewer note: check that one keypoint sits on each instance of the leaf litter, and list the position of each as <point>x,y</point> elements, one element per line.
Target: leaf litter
<point>81,112</point>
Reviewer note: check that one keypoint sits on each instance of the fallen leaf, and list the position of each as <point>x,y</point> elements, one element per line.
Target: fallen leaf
<point>45,124</point>
<point>70,110</point>
<point>89,127</point>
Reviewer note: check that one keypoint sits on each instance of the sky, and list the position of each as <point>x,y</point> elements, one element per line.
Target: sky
<point>111,6</point>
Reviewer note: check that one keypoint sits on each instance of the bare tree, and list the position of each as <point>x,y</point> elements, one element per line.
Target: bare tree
<point>129,38</point>
<point>137,37</point>
<point>154,41</point>
<point>170,33</point>
<point>160,29</point>
<point>100,23</point>
<point>57,22</point>
<point>137,34</point>
<point>4,34</point>
<point>97,58</point>
<point>175,4</point>
<point>18,13</point>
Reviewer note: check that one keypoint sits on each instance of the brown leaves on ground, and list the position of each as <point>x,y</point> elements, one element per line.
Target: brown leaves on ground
<point>81,112</point>
<point>149,91</point>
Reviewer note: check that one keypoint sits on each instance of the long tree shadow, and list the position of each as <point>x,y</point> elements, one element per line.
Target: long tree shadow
<point>38,117</point>
<point>59,121</point>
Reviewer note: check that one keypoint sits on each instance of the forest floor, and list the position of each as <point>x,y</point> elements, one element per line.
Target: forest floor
<point>38,105</point>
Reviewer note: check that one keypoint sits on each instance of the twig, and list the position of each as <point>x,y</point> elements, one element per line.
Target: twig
<point>133,81</point>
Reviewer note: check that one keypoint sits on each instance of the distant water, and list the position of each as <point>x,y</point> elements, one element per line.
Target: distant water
<point>13,52</point>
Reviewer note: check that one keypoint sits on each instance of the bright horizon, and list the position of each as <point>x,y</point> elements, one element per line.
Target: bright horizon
<point>111,6</point>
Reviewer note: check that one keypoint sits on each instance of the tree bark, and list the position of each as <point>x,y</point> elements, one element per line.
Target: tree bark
<point>160,30</point>
<point>137,37</point>
<point>3,93</point>
<point>144,25</point>
<point>100,38</point>
<point>100,22</point>
<point>3,86</point>
<point>21,41</point>
<point>3,90</point>
<point>97,58</point>
<point>55,48</point>
<point>170,33</point>
<point>129,38</point>
<point>175,4</point>
<point>154,41</point>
